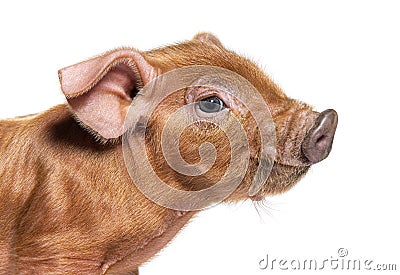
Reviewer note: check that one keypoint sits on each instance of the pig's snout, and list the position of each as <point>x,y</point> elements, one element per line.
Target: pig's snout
<point>318,142</point>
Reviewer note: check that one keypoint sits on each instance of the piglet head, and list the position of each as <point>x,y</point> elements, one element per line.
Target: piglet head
<point>127,96</point>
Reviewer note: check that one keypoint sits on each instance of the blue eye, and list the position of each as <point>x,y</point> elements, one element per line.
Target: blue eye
<point>211,104</point>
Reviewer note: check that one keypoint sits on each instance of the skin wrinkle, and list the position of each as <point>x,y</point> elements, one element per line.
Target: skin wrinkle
<point>68,203</point>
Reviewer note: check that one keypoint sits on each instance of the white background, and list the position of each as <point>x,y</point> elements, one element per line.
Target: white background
<point>332,54</point>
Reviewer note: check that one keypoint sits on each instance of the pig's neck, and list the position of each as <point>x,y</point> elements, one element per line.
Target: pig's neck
<point>76,199</point>
<point>160,225</point>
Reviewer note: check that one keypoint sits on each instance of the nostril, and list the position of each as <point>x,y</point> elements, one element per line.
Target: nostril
<point>318,142</point>
<point>321,140</point>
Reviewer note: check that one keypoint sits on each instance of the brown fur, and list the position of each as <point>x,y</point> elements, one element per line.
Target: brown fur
<point>68,204</point>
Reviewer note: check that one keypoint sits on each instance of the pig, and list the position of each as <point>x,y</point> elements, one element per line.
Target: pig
<point>68,202</point>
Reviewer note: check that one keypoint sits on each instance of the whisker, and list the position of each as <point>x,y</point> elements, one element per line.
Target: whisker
<point>264,207</point>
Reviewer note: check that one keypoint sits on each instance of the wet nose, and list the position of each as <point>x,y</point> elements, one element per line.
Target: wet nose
<point>318,142</point>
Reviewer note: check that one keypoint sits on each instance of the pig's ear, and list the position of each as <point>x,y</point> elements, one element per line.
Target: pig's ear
<point>100,90</point>
<point>208,38</point>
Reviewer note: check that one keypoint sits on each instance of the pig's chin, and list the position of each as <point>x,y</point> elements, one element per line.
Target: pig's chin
<point>281,179</point>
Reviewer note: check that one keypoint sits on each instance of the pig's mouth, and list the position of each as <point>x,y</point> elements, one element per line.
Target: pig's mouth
<point>282,177</point>
<point>294,160</point>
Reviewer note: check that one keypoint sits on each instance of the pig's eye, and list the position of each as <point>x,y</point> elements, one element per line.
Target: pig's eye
<point>211,104</point>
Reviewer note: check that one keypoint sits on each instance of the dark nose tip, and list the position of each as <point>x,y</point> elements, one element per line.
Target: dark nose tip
<point>318,142</point>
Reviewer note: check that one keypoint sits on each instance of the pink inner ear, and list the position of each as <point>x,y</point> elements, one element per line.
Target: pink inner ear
<point>103,108</point>
<point>79,78</point>
<point>98,90</point>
